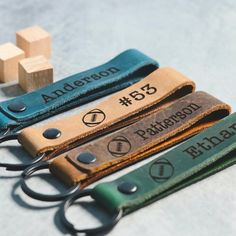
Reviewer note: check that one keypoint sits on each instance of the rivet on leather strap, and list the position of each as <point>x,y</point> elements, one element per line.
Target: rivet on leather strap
<point>180,120</point>
<point>201,156</point>
<point>125,69</point>
<point>51,133</point>
<point>155,91</point>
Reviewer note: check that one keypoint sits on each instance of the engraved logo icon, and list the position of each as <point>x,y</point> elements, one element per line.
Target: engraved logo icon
<point>161,170</point>
<point>94,117</point>
<point>119,146</point>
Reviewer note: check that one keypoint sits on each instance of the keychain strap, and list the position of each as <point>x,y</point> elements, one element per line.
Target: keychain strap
<point>154,92</point>
<point>120,72</point>
<point>89,162</point>
<point>180,120</point>
<point>201,156</point>
<point>161,87</point>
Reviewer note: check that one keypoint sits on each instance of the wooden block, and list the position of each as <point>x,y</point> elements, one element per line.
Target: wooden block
<point>34,73</point>
<point>10,55</point>
<point>34,41</point>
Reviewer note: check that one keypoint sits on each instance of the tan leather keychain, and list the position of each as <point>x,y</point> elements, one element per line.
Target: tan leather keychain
<point>158,89</point>
<point>157,131</point>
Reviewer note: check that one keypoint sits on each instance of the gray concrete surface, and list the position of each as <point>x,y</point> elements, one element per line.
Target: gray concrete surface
<point>196,37</point>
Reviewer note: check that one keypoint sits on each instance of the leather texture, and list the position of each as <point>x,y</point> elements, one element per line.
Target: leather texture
<point>155,91</point>
<point>177,122</point>
<point>201,156</point>
<point>127,68</point>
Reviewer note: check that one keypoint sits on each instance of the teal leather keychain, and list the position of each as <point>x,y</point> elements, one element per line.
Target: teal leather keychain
<point>201,156</point>
<point>127,68</point>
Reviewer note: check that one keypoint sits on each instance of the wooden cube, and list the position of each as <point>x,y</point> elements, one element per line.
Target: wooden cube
<point>34,41</point>
<point>10,55</point>
<point>34,73</point>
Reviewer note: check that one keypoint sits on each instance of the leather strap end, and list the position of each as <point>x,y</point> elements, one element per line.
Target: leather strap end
<point>158,88</point>
<point>65,172</point>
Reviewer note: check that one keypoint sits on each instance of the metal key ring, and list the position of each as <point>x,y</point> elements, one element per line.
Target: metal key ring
<point>41,196</point>
<point>18,167</point>
<point>101,229</point>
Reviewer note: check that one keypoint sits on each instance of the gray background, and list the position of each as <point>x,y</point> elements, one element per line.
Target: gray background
<point>198,38</point>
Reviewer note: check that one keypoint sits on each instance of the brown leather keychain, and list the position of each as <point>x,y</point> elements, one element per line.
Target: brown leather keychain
<point>147,96</point>
<point>153,133</point>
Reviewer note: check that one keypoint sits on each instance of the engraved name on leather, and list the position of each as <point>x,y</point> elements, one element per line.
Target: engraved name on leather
<point>159,126</point>
<point>208,143</point>
<point>67,87</point>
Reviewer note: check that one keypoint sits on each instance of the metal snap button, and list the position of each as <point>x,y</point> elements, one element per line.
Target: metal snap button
<point>17,107</point>
<point>86,158</point>
<point>52,133</point>
<point>127,187</point>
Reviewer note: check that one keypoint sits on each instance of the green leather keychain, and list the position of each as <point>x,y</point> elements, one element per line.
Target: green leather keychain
<point>201,156</point>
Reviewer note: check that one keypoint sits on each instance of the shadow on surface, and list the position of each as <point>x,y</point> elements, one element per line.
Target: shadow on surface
<point>59,225</point>
<point>12,90</point>
<point>17,151</point>
<point>9,176</point>
<point>23,203</point>
<point>19,154</point>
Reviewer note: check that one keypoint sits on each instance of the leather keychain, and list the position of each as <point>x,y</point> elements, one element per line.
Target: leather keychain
<point>155,91</point>
<point>201,156</point>
<point>125,69</point>
<point>87,163</point>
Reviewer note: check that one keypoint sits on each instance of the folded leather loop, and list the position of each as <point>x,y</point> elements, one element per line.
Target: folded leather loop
<point>125,69</point>
<point>201,156</point>
<point>150,94</point>
<point>154,92</point>
<point>180,120</point>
